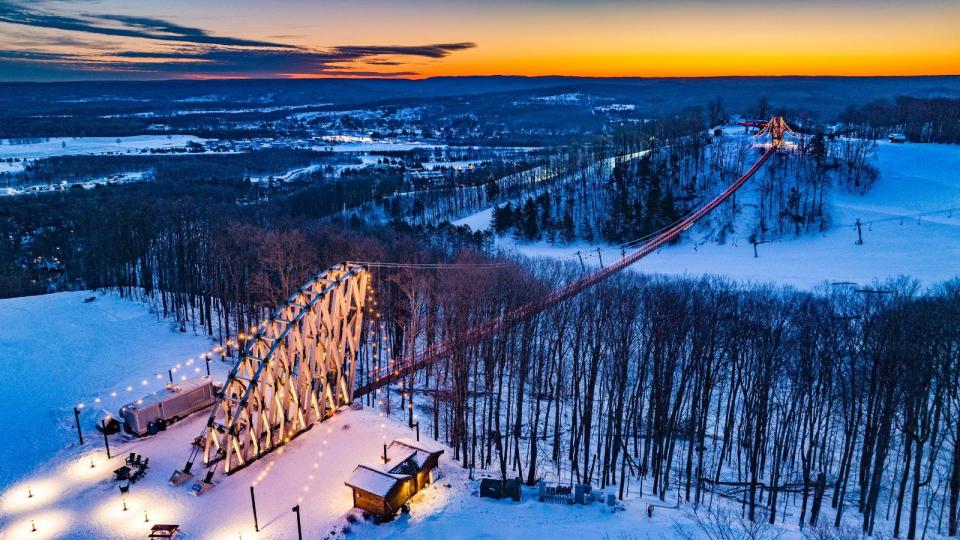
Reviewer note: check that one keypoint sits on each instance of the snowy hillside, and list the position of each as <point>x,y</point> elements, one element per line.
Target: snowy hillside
<point>59,351</point>
<point>62,351</point>
<point>910,223</point>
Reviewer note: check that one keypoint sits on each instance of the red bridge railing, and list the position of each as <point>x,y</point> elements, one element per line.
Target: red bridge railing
<point>386,374</point>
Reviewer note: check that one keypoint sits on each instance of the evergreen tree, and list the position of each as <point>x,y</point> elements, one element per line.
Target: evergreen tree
<point>531,226</point>
<point>502,219</point>
<point>492,188</point>
<point>568,229</point>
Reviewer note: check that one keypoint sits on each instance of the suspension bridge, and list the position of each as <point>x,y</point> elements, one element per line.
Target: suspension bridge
<point>300,366</point>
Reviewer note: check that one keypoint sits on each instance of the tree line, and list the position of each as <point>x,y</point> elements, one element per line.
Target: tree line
<point>922,120</point>
<point>810,407</point>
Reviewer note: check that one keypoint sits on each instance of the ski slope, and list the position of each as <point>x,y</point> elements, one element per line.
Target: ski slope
<point>918,182</point>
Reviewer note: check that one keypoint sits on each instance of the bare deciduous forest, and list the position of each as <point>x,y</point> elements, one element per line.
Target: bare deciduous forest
<point>800,406</point>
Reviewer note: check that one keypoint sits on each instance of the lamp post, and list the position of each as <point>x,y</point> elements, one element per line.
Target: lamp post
<point>296,509</point>
<point>253,501</point>
<point>106,441</point>
<point>76,416</point>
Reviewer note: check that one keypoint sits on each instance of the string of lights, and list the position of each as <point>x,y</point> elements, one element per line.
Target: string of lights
<point>178,372</point>
<point>431,266</point>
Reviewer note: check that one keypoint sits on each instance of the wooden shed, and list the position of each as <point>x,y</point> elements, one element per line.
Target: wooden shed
<point>423,455</point>
<point>383,489</point>
<point>379,492</point>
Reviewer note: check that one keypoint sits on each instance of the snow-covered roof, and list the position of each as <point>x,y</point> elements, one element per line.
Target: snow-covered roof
<point>165,393</point>
<point>405,463</point>
<point>424,446</point>
<point>372,480</point>
<point>401,450</point>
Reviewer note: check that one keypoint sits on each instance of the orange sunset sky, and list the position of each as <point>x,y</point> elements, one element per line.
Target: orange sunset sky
<point>59,40</point>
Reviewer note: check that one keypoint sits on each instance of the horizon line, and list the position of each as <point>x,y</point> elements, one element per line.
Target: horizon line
<point>513,76</point>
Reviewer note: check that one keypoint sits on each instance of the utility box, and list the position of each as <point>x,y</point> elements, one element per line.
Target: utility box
<point>491,488</point>
<point>512,489</point>
<point>583,494</point>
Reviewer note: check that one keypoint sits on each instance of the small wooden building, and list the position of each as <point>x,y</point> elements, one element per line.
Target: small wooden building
<point>379,492</point>
<point>420,456</point>
<point>383,489</point>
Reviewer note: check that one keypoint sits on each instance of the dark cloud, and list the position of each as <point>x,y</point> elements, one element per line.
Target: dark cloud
<point>260,61</point>
<point>135,27</point>
<point>189,51</point>
<point>383,62</point>
<point>430,51</point>
<point>234,61</point>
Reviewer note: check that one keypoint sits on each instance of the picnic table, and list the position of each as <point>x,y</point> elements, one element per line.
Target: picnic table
<point>164,531</point>
<point>123,473</point>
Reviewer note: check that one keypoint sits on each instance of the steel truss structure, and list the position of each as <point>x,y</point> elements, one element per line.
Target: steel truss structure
<point>296,369</point>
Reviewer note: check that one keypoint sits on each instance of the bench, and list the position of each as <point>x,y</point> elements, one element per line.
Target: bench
<point>164,531</point>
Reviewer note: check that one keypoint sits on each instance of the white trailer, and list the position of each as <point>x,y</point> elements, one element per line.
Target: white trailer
<point>154,412</point>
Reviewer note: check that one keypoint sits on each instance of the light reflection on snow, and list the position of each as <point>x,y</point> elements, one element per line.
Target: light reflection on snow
<point>131,522</point>
<point>45,491</point>
<point>49,524</point>
<point>81,471</point>
<point>39,492</point>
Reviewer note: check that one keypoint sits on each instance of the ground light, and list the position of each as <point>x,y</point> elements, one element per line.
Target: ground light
<point>40,526</point>
<point>129,518</point>
<point>31,495</point>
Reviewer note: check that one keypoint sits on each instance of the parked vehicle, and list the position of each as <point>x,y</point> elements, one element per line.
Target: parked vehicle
<point>155,412</point>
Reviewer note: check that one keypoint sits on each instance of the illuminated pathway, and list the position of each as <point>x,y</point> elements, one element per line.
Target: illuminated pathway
<point>72,500</point>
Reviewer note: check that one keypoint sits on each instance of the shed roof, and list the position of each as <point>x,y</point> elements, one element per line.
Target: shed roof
<point>423,446</point>
<point>372,480</point>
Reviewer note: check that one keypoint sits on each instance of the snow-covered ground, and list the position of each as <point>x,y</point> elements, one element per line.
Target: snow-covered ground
<point>59,350</point>
<point>918,182</point>
<point>66,146</point>
<point>289,176</point>
<point>119,178</point>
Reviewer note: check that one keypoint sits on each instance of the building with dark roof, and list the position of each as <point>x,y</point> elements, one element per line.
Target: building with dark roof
<point>383,489</point>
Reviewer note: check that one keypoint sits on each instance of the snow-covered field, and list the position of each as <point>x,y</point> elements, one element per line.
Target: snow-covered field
<point>918,182</point>
<point>66,146</point>
<point>119,178</point>
<point>59,351</point>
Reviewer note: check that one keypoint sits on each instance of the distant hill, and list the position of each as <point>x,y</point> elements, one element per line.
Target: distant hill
<point>823,96</point>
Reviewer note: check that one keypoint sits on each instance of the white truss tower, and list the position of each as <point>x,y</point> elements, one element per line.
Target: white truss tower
<point>295,370</point>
